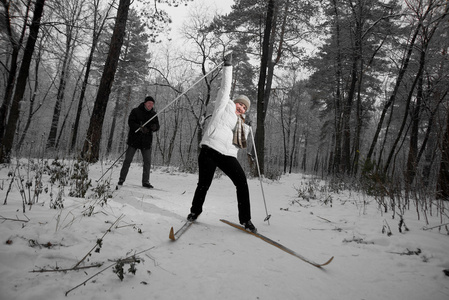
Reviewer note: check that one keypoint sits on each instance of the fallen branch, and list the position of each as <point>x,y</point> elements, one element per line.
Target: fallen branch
<point>408,252</point>
<point>127,260</point>
<point>65,270</point>
<point>127,225</point>
<point>48,245</point>
<point>358,241</point>
<point>324,219</point>
<point>10,219</point>
<point>98,241</point>
<point>427,228</point>
<point>110,266</point>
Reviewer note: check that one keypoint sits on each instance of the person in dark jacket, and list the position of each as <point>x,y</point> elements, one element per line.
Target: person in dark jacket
<point>142,139</point>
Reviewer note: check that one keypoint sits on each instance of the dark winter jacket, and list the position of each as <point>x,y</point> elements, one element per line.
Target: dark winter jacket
<point>143,138</point>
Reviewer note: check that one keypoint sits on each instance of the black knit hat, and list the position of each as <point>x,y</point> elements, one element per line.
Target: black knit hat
<point>149,98</point>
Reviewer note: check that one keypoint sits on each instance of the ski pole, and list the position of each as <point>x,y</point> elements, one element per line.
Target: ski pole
<point>160,112</point>
<point>179,96</point>
<point>112,165</point>
<point>260,177</point>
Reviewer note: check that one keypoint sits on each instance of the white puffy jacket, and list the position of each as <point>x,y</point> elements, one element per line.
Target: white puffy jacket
<point>220,130</point>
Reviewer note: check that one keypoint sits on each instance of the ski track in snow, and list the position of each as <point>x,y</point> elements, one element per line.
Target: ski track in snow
<point>213,260</point>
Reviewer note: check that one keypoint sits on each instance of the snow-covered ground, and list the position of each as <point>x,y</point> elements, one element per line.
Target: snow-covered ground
<point>213,260</point>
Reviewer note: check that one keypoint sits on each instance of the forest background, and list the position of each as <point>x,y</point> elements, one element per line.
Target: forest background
<point>352,90</point>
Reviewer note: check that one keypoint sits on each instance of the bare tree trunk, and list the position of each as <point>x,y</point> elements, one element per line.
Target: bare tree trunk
<point>16,44</point>
<point>429,159</point>
<point>304,155</point>
<point>442,191</point>
<point>91,148</point>
<point>331,155</point>
<point>51,141</point>
<point>171,145</point>
<point>69,113</point>
<point>261,88</point>
<point>71,19</point>
<point>32,111</point>
<point>392,98</point>
<point>293,153</point>
<point>285,126</point>
<point>429,130</point>
<point>8,140</point>
<point>335,155</point>
<point>412,160</point>
<point>30,116</point>
<point>114,120</point>
<point>295,142</point>
<point>122,142</point>
<point>359,122</point>
<point>354,155</point>
<point>316,164</point>
<point>404,121</point>
<point>95,36</point>
<point>345,163</point>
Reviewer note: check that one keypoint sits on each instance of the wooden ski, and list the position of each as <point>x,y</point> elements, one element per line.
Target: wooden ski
<point>280,246</point>
<point>176,235</point>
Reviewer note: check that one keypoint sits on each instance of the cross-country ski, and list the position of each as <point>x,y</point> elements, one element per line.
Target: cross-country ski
<point>176,235</point>
<point>280,246</point>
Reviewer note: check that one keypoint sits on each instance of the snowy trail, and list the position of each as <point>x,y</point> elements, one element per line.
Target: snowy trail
<point>213,260</point>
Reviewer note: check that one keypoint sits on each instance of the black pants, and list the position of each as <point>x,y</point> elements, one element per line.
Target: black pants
<point>208,161</point>
<point>146,155</point>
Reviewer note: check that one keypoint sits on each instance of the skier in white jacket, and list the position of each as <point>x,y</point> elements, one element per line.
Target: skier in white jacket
<point>224,136</point>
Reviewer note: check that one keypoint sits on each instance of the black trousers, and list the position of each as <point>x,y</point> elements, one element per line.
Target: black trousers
<point>146,155</point>
<point>208,161</point>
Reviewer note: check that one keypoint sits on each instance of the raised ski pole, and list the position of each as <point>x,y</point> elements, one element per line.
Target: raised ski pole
<point>179,96</point>
<point>267,218</point>
<point>173,101</point>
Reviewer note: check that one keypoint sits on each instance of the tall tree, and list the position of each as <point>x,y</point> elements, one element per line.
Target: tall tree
<point>91,148</point>
<point>206,49</point>
<point>262,91</point>
<point>132,67</point>
<point>98,25</point>
<point>429,29</point>
<point>20,87</point>
<point>442,189</point>
<point>36,91</point>
<point>15,39</point>
<point>70,13</point>
<point>405,61</point>
<point>268,31</point>
<point>358,31</point>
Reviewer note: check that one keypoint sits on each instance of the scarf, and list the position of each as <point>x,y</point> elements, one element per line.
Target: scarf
<point>239,134</point>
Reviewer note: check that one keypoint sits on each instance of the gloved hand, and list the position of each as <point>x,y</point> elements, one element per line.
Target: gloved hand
<point>153,127</point>
<point>144,130</point>
<point>248,121</point>
<point>228,60</point>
